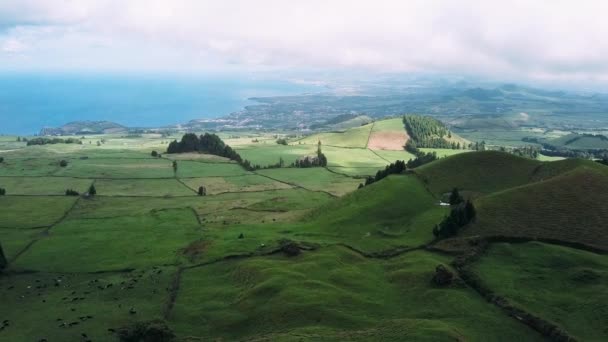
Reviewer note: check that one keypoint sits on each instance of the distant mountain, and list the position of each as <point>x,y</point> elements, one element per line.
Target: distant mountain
<point>85,127</point>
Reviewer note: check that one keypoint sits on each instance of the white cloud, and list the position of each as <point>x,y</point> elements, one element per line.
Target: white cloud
<point>12,46</point>
<point>528,39</point>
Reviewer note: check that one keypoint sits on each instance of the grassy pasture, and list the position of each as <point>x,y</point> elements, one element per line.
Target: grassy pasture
<point>566,286</point>
<point>43,185</point>
<point>189,168</point>
<point>117,168</point>
<point>354,137</point>
<point>119,243</point>
<point>30,212</point>
<point>14,240</point>
<point>316,179</point>
<point>28,167</point>
<point>141,187</point>
<point>37,308</point>
<point>270,154</point>
<point>277,295</point>
<point>217,185</point>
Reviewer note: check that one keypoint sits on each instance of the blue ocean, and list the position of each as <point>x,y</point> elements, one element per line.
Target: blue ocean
<point>29,102</point>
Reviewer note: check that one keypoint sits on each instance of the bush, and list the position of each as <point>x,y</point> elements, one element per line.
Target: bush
<point>1,159</point>
<point>63,163</point>
<point>290,248</point>
<point>2,191</point>
<point>154,154</point>
<point>442,276</point>
<point>92,190</point>
<point>70,192</point>
<point>202,191</point>
<point>282,141</point>
<point>150,331</point>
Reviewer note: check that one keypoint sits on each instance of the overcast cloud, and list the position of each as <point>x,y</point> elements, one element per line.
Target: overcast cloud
<point>535,40</point>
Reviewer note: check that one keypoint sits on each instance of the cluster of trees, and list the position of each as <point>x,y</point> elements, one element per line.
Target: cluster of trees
<point>282,141</point>
<point>391,169</point>
<point>428,132</point>
<point>70,192</point>
<point>421,159</point>
<point>206,143</point>
<point>461,214</point>
<point>47,141</point>
<point>155,154</point>
<point>320,160</point>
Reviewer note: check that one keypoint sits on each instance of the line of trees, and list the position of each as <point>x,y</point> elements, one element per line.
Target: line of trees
<point>320,160</point>
<point>51,141</point>
<point>427,132</point>
<point>394,168</point>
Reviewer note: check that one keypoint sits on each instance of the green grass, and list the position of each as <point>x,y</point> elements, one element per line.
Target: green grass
<point>392,156</point>
<point>141,187</point>
<point>485,172</point>
<point>352,157</point>
<point>117,168</point>
<point>30,212</point>
<point>269,154</point>
<point>294,298</point>
<point>566,286</point>
<point>28,167</point>
<point>122,242</point>
<point>37,308</point>
<point>43,185</point>
<point>354,137</point>
<point>390,125</point>
<point>315,179</point>
<point>198,169</point>
<point>218,185</point>
<point>571,207</point>
<point>14,240</point>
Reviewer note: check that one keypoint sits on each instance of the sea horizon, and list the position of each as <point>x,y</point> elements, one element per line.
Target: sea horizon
<point>52,100</point>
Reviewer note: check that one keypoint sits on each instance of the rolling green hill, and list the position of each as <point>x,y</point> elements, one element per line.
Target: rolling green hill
<point>485,172</point>
<point>570,207</point>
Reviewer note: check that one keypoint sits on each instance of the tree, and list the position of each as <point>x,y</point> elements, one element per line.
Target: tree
<point>1,159</point>
<point>154,154</point>
<point>63,163</point>
<point>92,190</point>
<point>174,166</point>
<point>455,197</point>
<point>2,191</point>
<point>202,191</point>
<point>282,141</point>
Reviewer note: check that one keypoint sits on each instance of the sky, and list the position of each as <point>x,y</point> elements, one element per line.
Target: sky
<point>550,41</point>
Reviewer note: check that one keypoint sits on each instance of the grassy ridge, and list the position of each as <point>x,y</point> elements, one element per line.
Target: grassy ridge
<point>571,207</point>
<point>485,172</point>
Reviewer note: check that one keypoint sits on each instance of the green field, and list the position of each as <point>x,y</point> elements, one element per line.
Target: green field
<point>215,267</point>
<point>574,282</point>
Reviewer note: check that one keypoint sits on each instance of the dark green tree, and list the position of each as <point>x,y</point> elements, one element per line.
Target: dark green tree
<point>63,163</point>
<point>455,197</point>
<point>92,190</point>
<point>2,191</point>
<point>1,159</point>
<point>202,191</point>
<point>154,154</point>
<point>174,166</point>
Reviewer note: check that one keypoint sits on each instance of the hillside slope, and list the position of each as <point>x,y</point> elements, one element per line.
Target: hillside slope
<point>570,207</point>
